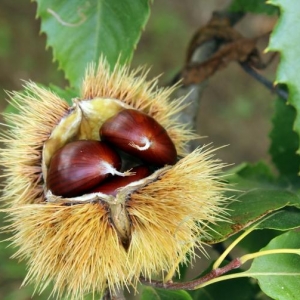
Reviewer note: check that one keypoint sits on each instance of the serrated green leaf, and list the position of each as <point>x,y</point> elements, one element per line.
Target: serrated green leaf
<point>247,176</point>
<point>80,31</point>
<point>251,207</point>
<point>253,6</point>
<point>259,195</point>
<point>279,274</point>
<point>285,219</point>
<point>287,45</point>
<point>284,142</point>
<point>150,293</point>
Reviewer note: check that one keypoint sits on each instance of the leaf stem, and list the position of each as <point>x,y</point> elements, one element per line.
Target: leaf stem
<point>231,246</point>
<point>250,256</point>
<point>244,274</point>
<point>219,261</point>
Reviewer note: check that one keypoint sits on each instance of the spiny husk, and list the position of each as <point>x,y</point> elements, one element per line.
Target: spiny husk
<point>75,245</point>
<point>39,112</point>
<point>171,215</point>
<point>143,95</point>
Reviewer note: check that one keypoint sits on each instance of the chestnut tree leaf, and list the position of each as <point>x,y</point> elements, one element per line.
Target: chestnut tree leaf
<point>279,274</point>
<point>150,293</point>
<point>253,6</point>
<point>284,143</point>
<point>250,207</point>
<point>259,195</point>
<point>80,31</point>
<point>10,109</point>
<point>285,219</point>
<point>249,176</point>
<point>67,94</point>
<point>287,72</point>
<point>257,239</point>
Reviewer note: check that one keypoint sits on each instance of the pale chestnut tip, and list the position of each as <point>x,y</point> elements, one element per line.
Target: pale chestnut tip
<point>140,135</point>
<point>80,166</point>
<point>111,185</point>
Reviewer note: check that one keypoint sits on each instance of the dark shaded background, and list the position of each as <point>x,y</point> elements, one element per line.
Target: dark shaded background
<point>235,109</point>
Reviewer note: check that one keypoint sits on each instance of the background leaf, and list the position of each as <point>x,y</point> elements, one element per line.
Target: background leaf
<point>80,31</point>
<point>247,176</point>
<point>260,194</point>
<point>150,293</point>
<point>238,289</point>
<point>284,143</point>
<point>287,71</point>
<point>67,94</point>
<point>256,240</point>
<point>251,207</point>
<point>286,219</point>
<point>283,287</point>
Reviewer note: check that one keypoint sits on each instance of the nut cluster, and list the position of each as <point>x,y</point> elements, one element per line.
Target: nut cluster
<point>90,166</point>
<point>94,191</point>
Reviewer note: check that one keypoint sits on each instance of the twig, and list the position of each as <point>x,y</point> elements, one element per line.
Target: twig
<point>191,285</point>
<point>264,81</point>
<point>201,54</point>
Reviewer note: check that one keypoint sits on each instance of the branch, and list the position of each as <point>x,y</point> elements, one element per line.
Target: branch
<point>200,54</point>
<point>191,285</point>
<point>264,81</point>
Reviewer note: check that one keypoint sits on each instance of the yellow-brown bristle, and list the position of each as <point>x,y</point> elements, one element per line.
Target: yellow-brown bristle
<point>39,112</point>
<point>140,94</point>
<point>171,215</point>
<point>76,245</point>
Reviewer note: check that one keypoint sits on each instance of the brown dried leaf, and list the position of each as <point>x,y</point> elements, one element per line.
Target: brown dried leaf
<point>231,46</point>
<point>240,50</point>
<point>218,28</point>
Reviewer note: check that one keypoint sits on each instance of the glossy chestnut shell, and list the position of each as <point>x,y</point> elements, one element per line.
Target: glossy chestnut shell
<point>110,185</point>
<point>140,135</point>
<point>81,165</point>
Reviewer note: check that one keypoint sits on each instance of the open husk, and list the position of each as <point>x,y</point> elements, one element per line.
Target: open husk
<point>93,242</point>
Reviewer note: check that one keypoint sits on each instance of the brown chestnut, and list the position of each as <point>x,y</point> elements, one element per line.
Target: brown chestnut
<point>81,165</point>
<point>140,135</point>
<point>110,185</point>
